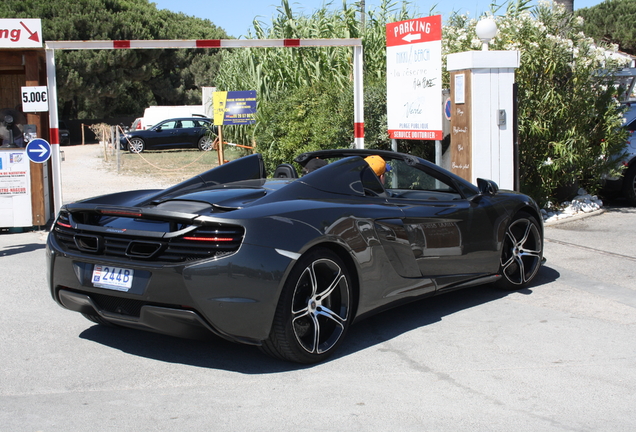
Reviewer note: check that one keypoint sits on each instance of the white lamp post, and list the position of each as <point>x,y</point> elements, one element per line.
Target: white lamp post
<point>486,30</point>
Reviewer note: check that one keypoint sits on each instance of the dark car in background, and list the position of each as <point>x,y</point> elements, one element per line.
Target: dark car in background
<point>187,132</point>
<point>288,263</point>
<point>625,185</point>
<point>64,134</point>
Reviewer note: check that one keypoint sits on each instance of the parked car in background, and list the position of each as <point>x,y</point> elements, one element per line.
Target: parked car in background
<point>187,132</point>
<point>64,134</point>
<point>626,185</point>
<point>137,124</point>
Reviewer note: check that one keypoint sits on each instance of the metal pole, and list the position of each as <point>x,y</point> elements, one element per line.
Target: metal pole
<point>438,153</point>
<point>358,97</point>
<point>117,150</point>
<point>54,137</point>
<point>362,16</point>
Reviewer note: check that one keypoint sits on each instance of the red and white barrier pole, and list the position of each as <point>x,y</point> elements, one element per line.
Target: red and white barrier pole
<point>54,130</point>
<point>358,97</point>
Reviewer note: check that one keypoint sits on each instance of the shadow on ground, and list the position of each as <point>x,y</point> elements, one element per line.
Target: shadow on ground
<point>220,354</point>
<point>19,249</point>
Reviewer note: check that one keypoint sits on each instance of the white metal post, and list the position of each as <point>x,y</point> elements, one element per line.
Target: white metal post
<point>54,130</point>
<point>358,96</point>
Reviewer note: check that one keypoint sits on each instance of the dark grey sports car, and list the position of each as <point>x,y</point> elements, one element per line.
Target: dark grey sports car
<point>288,263</point>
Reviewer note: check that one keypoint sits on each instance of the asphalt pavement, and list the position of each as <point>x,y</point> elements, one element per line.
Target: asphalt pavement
<point>557,356</point>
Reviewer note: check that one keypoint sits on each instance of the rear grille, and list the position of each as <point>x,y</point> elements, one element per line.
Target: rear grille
<point>204,242</point>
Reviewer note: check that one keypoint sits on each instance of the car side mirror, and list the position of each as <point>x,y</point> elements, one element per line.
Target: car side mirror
<point>487,187</point>
<point>158,129</point>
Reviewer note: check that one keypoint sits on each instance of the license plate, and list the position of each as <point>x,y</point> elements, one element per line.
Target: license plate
<point>115,278</point>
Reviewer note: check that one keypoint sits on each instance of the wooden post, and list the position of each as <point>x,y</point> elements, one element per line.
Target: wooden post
<point>219,147</point>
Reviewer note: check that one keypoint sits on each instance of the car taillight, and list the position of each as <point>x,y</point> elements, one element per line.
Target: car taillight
<point>211,239</point>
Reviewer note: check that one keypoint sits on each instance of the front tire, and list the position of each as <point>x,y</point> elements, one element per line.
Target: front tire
<point>522,252</point>
<point>314,310</point>
<point>136,145</point>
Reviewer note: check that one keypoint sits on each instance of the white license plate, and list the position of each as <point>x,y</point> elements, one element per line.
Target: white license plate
<point>115,278</point>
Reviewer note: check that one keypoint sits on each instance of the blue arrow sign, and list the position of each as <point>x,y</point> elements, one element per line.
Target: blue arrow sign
<point>38,150</point>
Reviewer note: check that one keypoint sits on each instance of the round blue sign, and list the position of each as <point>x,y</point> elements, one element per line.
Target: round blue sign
<point>38,150</point>
<point>447,109</point>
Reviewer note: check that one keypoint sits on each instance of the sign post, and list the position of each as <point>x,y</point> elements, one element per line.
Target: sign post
<point>414,78</point>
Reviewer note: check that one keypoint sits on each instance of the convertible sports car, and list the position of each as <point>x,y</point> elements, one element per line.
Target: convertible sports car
<point>288,263</point>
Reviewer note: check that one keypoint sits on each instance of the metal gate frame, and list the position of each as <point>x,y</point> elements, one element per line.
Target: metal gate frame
<point>358,94</point>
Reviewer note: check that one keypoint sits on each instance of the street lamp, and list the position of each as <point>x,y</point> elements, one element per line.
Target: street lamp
<point>486,30</point>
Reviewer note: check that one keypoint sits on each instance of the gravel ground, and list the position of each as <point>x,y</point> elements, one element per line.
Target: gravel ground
<point>85,174</point>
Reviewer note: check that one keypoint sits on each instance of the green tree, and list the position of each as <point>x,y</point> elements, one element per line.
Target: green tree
<point>612,21</point>
<point>97,84</point>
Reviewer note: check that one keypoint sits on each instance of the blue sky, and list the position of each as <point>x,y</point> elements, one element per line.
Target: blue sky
<point>236,16</point>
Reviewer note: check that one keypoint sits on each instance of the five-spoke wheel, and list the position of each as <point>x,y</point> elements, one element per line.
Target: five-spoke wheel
<point>522,252</point>
<point>314,310</point>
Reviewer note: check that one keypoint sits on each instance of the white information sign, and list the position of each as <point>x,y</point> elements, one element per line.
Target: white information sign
<point>13,173</point>
<point>414,78</point>
<point>35,99</point>
<point>20,33</point>
<point>15,191</point>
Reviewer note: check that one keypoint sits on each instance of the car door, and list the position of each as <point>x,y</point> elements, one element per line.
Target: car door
<point>162,135</point>
<point>450,236</point>
<point>189,132</point>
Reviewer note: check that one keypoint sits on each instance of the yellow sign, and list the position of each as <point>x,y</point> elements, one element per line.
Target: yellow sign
<point>219,102</point>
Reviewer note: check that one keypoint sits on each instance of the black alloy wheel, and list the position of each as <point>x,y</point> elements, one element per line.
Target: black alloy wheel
<point>314,311</point>
<point>522,252</point>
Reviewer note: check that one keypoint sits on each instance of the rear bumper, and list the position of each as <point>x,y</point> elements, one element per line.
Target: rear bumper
<point>234,297</point>
<point>170,321</point>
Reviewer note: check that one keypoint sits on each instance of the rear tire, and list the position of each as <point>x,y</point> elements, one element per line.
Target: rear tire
<point>522,252</point>
<point>314,310</point>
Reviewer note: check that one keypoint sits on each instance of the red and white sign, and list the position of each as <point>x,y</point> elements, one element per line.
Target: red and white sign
<point>20,33</point>
<point>414,78</point>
